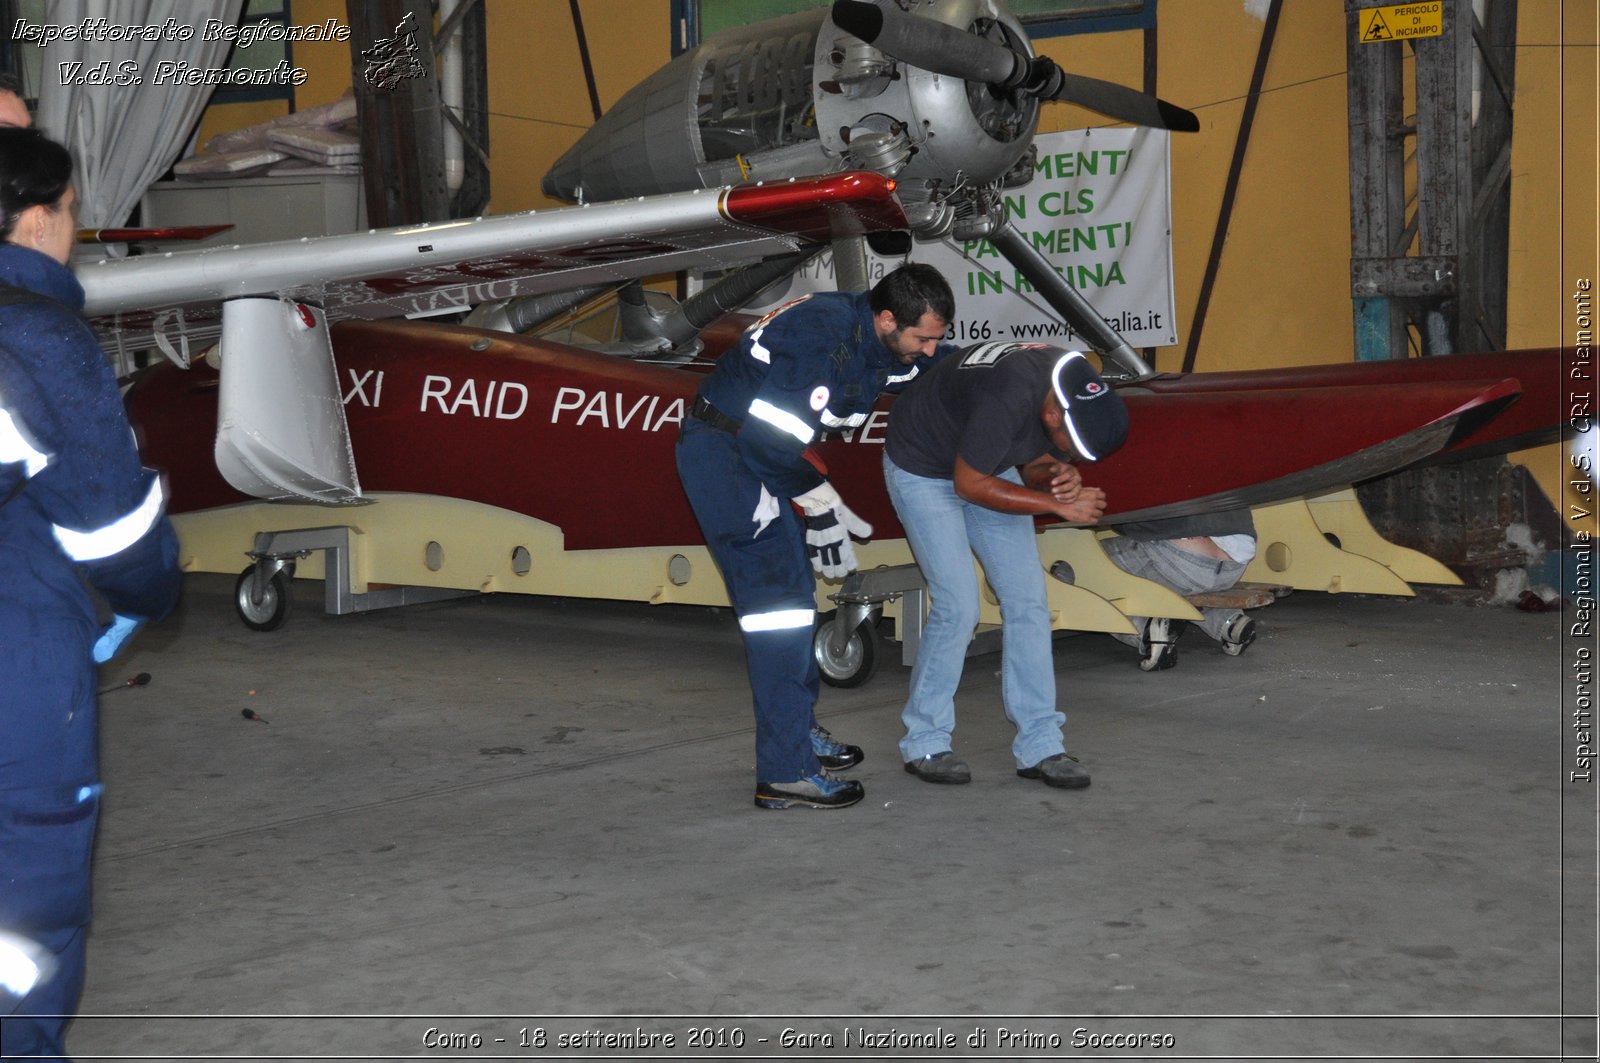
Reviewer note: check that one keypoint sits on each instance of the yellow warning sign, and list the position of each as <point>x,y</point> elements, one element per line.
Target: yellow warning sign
<point>1401,22</point>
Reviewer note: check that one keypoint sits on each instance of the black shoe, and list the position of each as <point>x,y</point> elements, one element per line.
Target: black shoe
<point>814,791</point>
<point>833,754</point>
<point>943,767</point>
<point>1060,770</point>
<point>1158,648</point>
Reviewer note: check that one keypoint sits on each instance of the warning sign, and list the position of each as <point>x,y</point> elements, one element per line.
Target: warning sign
<point>1401,22</point>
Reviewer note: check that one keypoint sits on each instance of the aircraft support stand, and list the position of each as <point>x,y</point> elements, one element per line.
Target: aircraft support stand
<point>844,662</point>
<point>263,589</point>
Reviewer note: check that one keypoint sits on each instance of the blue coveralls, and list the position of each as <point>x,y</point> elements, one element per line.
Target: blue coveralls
<point>77,506</point>
<point>811,366</point>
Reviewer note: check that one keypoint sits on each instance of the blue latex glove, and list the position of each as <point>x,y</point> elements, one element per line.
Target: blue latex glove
<point>112,638</point>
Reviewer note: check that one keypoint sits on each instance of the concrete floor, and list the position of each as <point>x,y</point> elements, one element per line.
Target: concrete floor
<point>473,817</point>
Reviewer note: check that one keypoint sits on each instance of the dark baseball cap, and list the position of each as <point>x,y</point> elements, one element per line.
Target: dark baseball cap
<point>1094,415</point>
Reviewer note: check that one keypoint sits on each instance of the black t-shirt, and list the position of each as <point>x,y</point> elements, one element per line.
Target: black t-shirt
<point>982,404</point>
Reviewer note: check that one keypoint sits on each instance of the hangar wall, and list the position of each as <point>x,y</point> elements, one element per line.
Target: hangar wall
<point>1555,190</point>
<point>1282,291</point>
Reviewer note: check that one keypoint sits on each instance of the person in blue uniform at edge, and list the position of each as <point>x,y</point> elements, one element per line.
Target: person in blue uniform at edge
<point>76,508</point>
<point>955,446</point>
<point>814,365</point>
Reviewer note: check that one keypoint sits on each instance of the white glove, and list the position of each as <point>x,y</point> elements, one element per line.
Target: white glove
<point>829,525</point>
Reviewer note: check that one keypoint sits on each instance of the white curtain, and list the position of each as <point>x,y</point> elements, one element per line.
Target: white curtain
<point>123,137</point>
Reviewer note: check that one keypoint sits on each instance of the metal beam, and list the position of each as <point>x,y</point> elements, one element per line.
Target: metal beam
<point>1444,171</point>
<point>397,102</point>
<point>470,21</point>
<point>1377,183</point>
<point>1441,271</point>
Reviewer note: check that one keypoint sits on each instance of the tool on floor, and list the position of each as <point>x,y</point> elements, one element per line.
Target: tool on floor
<point>137,681</point>
<point>250,714</point>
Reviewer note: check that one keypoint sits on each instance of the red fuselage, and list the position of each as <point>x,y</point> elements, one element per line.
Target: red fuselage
<point>585,441</point>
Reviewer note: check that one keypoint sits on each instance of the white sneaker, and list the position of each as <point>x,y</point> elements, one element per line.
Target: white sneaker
<point>1159,646</point>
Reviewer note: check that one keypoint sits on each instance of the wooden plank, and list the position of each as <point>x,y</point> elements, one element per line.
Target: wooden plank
<point>1240,596</point>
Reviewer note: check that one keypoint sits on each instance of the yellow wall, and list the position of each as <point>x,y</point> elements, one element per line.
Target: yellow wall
<point>1555,185</point>
<point>538,105</point>
<point>326,63</point>
<point>1281,295</point>
<point>1553,171</point>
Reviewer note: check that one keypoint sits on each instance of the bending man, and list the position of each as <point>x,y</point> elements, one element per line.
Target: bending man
<point>955,444</point>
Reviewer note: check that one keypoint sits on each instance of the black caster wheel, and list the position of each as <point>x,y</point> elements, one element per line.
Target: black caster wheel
<point>859,660</point>
<point>272,610</point>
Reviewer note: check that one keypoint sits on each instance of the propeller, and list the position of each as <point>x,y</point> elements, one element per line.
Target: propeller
<point>1116,101</point>
<point>925,43</point>
<point>943,49</point>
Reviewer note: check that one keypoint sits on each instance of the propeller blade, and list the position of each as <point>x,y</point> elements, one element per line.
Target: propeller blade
<point>924,43</point>
<point>943,49</point>
<point>1119,101</point>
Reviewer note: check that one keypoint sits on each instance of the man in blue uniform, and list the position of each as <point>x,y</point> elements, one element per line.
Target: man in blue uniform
<point>814,365</point>
<point>75,508</point>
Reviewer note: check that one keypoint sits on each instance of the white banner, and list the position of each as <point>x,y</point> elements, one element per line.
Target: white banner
<point>1099,209</point>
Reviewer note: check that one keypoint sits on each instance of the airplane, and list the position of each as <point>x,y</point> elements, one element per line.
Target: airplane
<point>494,460</point>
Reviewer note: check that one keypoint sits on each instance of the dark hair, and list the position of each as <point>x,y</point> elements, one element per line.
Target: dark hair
<point>34,171</point>
<point>911,291</point>
<point>12,84</point>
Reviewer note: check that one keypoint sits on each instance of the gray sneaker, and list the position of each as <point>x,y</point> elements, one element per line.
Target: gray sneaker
<point>1061,770</point>
<point>1240,634</point>
<point>943,767</point>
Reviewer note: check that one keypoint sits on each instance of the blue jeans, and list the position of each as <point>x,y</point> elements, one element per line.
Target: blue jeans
<point>945,532</point>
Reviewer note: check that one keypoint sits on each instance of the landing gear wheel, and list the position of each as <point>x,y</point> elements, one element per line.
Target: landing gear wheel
<point>856,664</point>
<point>273,609</point>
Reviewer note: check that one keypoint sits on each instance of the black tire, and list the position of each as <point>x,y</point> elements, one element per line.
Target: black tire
<point>859,660</point>
<point>273,610</point>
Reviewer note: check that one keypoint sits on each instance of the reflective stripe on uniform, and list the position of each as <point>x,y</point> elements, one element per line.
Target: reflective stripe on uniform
<point>14,447</point>
<point>778,620</point>
<point>904,377</point>
<point>783,420</point>
<point>115,537</point>
<point>855,420</point>
<point>758,352</point>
